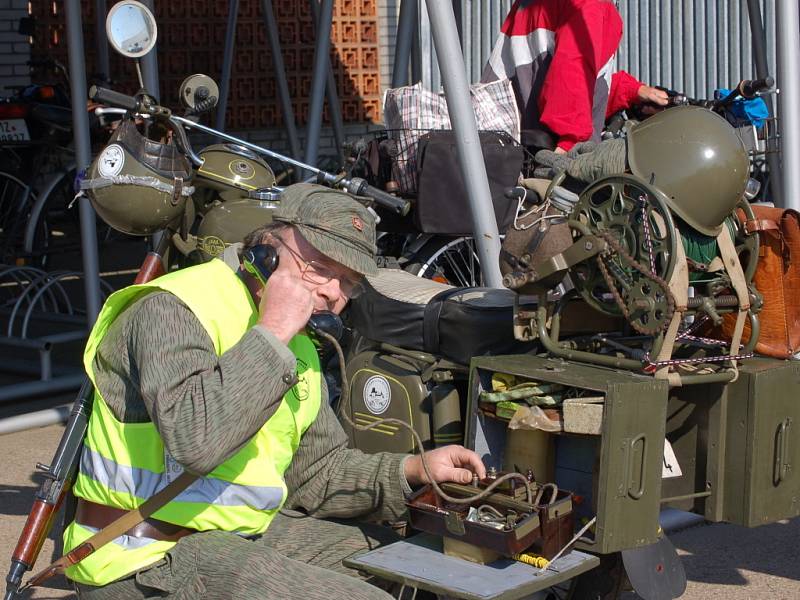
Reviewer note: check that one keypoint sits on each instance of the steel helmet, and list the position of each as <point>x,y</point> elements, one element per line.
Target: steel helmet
<point>696,159</point>
<point>136,185</point>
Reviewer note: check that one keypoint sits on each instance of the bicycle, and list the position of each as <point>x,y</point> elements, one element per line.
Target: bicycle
<point>37,183</point>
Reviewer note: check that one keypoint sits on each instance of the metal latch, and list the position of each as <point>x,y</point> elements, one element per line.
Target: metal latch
<point>454,524</point>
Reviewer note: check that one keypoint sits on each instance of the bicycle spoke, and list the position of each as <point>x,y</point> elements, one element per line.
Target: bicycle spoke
<point>461,278</point>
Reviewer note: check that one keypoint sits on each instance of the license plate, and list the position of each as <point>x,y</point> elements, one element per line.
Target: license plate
<point>14,130</point>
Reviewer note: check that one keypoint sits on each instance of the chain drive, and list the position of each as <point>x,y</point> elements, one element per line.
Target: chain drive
<point>657,326</point>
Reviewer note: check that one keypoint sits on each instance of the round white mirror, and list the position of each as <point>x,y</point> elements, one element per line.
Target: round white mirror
<point>131,28</point>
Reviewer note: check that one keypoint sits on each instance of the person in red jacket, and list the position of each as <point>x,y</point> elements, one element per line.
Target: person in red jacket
<point>559,55</point>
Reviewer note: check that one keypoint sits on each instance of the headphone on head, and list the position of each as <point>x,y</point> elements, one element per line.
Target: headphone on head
<point>260,261</point>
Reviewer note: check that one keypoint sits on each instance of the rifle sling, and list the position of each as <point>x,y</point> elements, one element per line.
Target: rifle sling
<point>115,529</point>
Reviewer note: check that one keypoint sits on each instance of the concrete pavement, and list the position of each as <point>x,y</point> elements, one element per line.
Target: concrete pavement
<point>724,562</point>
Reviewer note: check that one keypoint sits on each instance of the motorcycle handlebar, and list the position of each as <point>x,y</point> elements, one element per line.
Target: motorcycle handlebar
<point>112,98</point>
<point>359,187</point>
<point>355,186</point>
<point>749,88</point>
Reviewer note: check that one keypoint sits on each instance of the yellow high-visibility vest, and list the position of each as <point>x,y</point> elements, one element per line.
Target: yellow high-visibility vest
<point>123,464</point>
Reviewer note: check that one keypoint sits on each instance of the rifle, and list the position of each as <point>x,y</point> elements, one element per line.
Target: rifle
<point>60,473</point>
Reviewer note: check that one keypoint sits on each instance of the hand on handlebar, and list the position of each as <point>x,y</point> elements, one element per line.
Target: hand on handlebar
<point>653,96</point>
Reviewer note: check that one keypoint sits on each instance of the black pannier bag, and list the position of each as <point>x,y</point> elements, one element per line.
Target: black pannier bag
<point>442,206</point>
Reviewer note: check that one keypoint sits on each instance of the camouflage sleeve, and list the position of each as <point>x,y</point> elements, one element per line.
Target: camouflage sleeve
<point>205,407</point>
<point>328,479</point>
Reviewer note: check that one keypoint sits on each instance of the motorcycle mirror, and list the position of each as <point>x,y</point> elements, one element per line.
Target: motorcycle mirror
<point>198,91</point>
<point>131,28</point>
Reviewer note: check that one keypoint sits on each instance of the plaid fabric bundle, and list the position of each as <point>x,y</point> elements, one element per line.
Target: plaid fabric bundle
<point>411,111</point>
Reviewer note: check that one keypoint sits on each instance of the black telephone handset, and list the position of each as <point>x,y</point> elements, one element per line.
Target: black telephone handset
<point>261,261</point>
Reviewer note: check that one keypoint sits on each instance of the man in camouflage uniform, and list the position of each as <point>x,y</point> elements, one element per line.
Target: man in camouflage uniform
<point>156,363</point>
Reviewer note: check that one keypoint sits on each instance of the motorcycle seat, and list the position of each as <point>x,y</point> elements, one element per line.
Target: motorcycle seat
<point>456,323</point>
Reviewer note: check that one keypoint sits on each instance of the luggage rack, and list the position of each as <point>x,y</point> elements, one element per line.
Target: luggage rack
<point>38,316</point>
<point>419,563</point>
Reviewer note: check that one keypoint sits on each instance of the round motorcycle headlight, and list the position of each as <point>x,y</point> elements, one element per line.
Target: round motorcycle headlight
<point>751,189</point>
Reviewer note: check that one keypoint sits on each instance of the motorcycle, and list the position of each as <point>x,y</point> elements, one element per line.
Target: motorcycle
<point>232,185</point>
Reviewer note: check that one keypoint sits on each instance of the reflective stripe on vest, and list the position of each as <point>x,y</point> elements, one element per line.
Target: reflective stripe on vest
<point>123,464</point>
<point>144,483</point>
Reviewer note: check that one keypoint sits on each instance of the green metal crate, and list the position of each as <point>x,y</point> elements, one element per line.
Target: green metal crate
<point>622,473</point>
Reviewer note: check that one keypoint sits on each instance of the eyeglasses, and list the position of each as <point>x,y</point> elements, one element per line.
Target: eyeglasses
<point>317,273</point>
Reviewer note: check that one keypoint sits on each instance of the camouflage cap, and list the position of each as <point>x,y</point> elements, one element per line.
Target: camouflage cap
<point>333,222</point>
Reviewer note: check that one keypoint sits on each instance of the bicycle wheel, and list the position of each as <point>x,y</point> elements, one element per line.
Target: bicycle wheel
<point>448,260</point>
<point>16,200</point>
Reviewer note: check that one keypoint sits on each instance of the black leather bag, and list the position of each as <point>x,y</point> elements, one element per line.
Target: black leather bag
<point>442,206</point>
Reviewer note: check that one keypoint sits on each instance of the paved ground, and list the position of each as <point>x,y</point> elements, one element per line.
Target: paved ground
<point>723,562</point>
<point>20,452</point>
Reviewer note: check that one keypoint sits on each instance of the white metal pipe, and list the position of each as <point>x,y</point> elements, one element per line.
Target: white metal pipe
<point>789,99</point>
<point>149,62</point>
<point>83,155</point>
<point>468,147</point>
<point>40,418</point>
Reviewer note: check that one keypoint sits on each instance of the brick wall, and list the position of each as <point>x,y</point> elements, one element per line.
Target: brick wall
<point>14,48</point>
<point>183,50</point>
<point>275,139</point>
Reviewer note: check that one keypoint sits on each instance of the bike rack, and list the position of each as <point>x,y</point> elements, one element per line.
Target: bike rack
<point>36,318</point>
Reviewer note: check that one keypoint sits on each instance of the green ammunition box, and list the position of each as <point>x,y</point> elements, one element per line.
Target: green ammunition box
<point>737,446</point>
<point>762,451</point>
<point>617,474</point>
<point>696,422</point>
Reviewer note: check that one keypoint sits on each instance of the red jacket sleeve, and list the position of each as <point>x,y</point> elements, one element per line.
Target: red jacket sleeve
<point>583,44</point>
<point>624,92</point>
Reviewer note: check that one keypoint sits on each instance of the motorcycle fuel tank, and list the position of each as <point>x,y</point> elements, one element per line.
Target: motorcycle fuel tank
<point>229,222</point>
<point>233,171</point>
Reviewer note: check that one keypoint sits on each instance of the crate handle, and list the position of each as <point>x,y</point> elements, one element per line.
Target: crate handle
<point>781,467</point>
<point>637,494</point>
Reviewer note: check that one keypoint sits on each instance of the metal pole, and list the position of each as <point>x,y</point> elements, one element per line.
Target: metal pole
<point>40,418</point>
<point>468,147</point>
<point>762,70</point>
<point>459,17</point>
<point>334,106</point>
<point>789,99</point>
<point>406,25</point>
<point>318,80</point>
<point>227,63</point>
<point>101,41</point>
<point>64,383</point>
<point>287,110</point>
<point>149,63</point>
<point>83,155</point>
<point>149,66</point>
<point>416,53</point>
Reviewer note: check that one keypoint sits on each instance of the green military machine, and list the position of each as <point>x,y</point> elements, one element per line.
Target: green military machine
<point>612,386</point>
<point>592,386</point>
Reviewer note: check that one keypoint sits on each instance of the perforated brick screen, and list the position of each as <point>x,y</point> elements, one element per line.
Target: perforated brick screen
<point>191,38</point>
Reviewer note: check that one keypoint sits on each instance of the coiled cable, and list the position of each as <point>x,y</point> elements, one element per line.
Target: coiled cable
<point>345,393</point>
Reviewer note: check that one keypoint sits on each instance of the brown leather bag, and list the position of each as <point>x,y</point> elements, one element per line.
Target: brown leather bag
<point>777,278</point>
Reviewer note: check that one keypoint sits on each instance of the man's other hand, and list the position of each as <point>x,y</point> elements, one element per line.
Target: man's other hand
<point>653,95</point>
<point>449,463</point>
